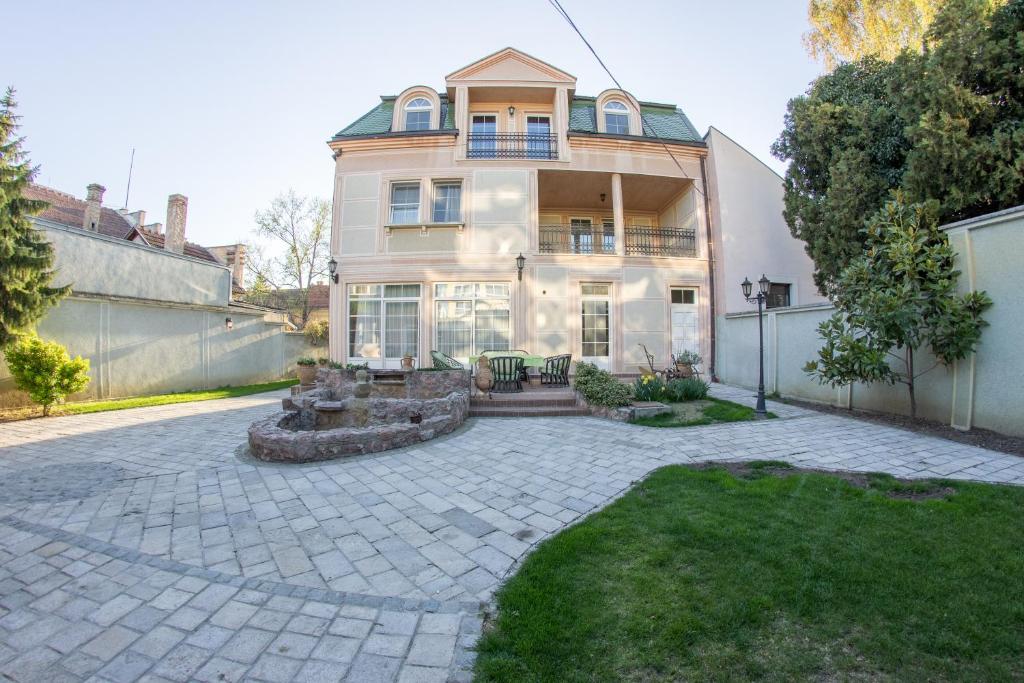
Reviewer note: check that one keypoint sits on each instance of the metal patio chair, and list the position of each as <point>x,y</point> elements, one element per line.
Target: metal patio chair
<point>556,370</point>
<point>508,374</point>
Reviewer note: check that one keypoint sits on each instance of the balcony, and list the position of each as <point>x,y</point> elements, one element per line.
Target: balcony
<point>645,241</point>
<point>511,146</point>
<point>577,239</point>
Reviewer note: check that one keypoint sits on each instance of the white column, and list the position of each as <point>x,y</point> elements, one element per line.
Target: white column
<point>560,122</point>
<point>617,215</point>
<point>461,119</point>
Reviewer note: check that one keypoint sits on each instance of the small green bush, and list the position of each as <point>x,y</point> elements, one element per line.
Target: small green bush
<point>335,365</point>
<point>45,371</point>
<point>689,389</point>
<point>357,366</point>
<point>317,331</point>
<point>306,361</point>
<point>650,388</point>
<point>600,387</point>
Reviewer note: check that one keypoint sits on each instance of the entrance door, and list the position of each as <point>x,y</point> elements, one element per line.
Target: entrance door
<point>595,327</point>
<point>685,336</point>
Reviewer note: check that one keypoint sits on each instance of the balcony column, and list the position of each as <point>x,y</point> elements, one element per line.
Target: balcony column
<point>617,215</point>
<point>560,122</point>
<point>461,119</point>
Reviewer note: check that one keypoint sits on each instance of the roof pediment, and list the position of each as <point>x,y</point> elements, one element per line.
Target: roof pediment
<point>511,65</point>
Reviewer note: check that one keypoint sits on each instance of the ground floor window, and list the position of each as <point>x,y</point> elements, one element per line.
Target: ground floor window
<point>383,321</point>
<point>778,295</point>
<point>596,311</point>
<point>472,317</point>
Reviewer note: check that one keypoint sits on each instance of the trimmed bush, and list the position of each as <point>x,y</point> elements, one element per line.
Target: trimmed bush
<point>599,387</point>
<point>45,371</point>
<point>689,389</point>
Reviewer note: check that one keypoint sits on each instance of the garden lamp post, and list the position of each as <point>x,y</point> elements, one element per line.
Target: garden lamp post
<point>763,286</point>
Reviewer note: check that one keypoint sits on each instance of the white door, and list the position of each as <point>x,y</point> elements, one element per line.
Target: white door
<point>595,324</point>
<point>685,335</point>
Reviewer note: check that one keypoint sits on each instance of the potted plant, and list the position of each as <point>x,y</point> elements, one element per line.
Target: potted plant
<point>408,362</point>
<point>685,361</point>
<point>307,370</point>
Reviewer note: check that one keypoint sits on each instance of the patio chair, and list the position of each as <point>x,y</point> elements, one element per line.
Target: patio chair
<point>556,370</point>
<point>443,361</point>
<point>508,374</point>
<point>524,377</point>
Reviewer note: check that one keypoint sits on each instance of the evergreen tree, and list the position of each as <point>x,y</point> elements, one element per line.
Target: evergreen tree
<point>26,258</point>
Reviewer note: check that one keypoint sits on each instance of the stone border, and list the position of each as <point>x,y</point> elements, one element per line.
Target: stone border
<point>261,585</point>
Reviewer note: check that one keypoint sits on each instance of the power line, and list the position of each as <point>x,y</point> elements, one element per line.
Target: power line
<point>643,121</point>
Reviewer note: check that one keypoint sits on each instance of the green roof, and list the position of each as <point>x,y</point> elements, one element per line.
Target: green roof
<point>660,121</point>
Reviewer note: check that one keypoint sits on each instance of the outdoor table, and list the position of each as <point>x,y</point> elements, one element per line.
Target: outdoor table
<point>528,360</point>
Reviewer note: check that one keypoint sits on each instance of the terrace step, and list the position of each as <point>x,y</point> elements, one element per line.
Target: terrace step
<point>526,411</point>
<point>525,402</point>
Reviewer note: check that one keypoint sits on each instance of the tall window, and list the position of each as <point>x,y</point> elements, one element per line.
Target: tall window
<point>608,238</point>
<point>483,140</point>
<point>472,317</point>
<point>447,202</point>
<point>778,295</point>
<point>417,114</point>
<point>405,203</point>
<point>538,137</point>
<point>596,310</point>
<point>383,321</point>
<point>582,235</point>
<point>616,118</point>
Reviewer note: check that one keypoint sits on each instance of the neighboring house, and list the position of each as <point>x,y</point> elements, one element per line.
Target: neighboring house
<point>437,194</point>
<point>90,214</point>
<point>290,300</point>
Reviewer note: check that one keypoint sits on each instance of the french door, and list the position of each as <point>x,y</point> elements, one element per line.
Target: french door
<point>685,335</point>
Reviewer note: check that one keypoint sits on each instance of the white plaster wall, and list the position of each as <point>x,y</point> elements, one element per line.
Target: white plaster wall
<point>500,211</point>
<point>752,236</point>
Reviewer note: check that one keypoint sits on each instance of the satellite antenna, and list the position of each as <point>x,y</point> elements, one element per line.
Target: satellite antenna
<point>131,165</point>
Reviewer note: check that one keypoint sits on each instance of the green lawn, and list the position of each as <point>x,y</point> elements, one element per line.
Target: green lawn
<point>703,575</point>
<point>705,412</point>
<point>143,401</point>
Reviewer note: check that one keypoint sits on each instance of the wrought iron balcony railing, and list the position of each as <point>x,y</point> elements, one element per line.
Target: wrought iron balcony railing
<point>645,241</point>
<point>577,239</point>
<point>511,146</point>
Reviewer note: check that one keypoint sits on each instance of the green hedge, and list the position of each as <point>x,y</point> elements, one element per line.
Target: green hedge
<point>599,387</point>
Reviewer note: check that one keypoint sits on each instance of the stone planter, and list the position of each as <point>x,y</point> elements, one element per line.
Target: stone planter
<point>408,362</point>
<point>307,374</point>
<point>484,376</point>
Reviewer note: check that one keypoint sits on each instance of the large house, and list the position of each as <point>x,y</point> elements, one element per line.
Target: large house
<point>507,211</point>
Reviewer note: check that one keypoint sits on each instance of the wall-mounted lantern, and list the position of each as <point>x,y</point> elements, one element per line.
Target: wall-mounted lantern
<point>520,262</point>
<point>511,111</point>
<point>332,266</point>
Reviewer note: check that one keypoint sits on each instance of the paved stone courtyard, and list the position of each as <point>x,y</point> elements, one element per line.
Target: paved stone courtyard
<point>146,545</point>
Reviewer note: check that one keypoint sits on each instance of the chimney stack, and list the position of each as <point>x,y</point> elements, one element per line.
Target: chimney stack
<point>177,209</point>
<point>93,204</point>
<point>238,264</point>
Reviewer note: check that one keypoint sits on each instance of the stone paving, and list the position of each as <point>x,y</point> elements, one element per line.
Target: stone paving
<point>147,545</point>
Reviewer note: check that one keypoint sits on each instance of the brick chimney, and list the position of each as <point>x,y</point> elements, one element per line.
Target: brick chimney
<point>93,204</point>
<point>177,209</point>
<point>238,264</point>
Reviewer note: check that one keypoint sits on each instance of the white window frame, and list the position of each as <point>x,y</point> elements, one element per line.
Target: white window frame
<point>391,201</point>
<point>474,297</point>
<point>609,110</point>
<point>580,221</point>
<point>541,148</point>
<point>411,107</point>
<point>488,146</point>
<point>383,360</point>
<point>433,198</point>
<point>603,362</point>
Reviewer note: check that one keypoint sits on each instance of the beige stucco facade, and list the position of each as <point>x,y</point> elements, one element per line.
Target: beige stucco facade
<point>623,212</point>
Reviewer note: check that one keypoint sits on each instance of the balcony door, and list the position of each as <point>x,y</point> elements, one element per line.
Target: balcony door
<point>483,136</point>
<point>538,137</point>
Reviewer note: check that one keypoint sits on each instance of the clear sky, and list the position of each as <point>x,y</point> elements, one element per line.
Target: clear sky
<point>231,103</point>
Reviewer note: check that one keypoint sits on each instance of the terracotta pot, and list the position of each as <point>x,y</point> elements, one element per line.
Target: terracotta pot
<point>307,374</point>
<point>684,370</point>
<point>408,362</point>
<point>484,376</point>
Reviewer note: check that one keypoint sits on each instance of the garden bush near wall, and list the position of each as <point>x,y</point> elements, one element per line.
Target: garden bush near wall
<point>599,387</point>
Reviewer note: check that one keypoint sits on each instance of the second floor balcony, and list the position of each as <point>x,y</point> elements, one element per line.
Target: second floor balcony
<point>600,239</point>
<point>511,146</point>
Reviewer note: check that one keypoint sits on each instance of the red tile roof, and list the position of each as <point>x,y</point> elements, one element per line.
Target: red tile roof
<point>155,239</point>
<point>69,210</point>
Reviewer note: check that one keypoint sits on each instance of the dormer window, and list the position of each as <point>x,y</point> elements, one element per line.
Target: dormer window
<point>616,118</point>
<point>417,114</point>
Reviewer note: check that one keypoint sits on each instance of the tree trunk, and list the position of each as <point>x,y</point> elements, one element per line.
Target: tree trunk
<point>910,382</point>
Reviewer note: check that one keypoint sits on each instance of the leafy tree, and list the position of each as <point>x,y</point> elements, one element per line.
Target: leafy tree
<point>944,125</point>
<point>299,230</point>
<point>848,30</point>
<point>896,299</point>
<point>45,371</point>
<point>25,256</point>
<point>847,149</point>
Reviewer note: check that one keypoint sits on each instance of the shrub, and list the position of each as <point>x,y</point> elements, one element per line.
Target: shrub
<point>599,387</point>
<point>306,361</point>
<point>45,371</point>
<point>650,388</point>
<point>689,389</point>
<point>688,357</point>
<point>316,331</point>
<point>357,366</point>
<point>335,365</point>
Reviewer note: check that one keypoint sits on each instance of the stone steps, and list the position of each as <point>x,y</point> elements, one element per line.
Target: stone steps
<point>526,411</point>
<point>532,402</point>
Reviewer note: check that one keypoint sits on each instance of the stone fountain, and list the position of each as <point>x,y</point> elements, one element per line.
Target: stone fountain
<point>363,411</point>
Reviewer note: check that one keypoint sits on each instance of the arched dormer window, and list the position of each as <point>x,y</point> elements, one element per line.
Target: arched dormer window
<point>417,114</point>
<point>616,117</point>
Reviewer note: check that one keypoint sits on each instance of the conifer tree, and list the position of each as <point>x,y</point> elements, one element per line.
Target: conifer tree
<point>26,258</point>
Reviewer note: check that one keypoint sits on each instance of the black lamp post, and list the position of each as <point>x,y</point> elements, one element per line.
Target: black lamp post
<point>332,266</point>
<point>764,284</point>
<point>520,262</point>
